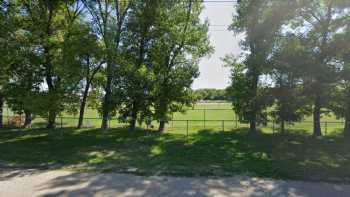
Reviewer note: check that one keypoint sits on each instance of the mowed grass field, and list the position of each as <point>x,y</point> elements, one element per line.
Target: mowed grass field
<point>217,116</point>
<point>211,148</point>
<point>204,153</point>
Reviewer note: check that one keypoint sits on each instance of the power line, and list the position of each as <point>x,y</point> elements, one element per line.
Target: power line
<point>220,1</point>
<point>219,25</point>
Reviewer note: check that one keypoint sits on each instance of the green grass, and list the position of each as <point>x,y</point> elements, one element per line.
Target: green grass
<point>204,153</point>
<point>213,113</point>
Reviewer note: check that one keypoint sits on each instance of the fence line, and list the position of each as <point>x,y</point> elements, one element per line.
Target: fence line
<point>181,125</point>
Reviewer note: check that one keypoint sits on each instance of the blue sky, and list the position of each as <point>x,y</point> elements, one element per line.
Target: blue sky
<point>213,74</point>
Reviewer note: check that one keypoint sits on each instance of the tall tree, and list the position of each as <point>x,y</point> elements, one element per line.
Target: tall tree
<point>51,23</point>
<point>136,71</point>
<point>287,62</point>
<point>340,94</point>
<point>88,58</point>
<point>11,39</point>
<point>320,21</point>
<point>25,80</point>
<point>6,16</point>
<point>260,21</point>
<point>176,55</point>
<point>108,20</point>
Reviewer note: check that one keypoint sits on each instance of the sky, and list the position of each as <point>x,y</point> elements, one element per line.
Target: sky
<point>212,72</point>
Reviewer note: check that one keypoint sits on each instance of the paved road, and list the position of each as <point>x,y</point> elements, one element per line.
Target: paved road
<point>27,183</point>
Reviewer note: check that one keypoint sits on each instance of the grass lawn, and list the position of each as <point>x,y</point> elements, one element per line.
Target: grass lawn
<point>203,153</point>
<point>213,113</point>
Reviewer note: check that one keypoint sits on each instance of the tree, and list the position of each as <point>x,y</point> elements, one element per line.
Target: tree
<point>175,57</point>
<point>261,21</point>
<point>89,57</point>
<point>136,72</point>
<point>24,84</point>
<point>6,24</point>
<point>287,63</point>
<point>51,24</point>
<point>108,20</point>
<point>321,21</point>
<point>211,94</point>
<point>340,94</point>
<point>17,75</point>
<point>239,91</point>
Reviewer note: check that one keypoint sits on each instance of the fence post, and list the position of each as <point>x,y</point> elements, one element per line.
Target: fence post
<point>61,122</point>
<point>8,116</point>
<point>325,125</point>
<point>236,123</point>
<point>187,128</point>
<point>204,117</point>
<point>223,125</point>
<point>273,126</point>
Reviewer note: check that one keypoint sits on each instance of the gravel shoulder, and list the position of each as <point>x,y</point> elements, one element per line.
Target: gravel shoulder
<point>68,184</point>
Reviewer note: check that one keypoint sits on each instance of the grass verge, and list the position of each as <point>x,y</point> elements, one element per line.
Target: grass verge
<point>204,153</point>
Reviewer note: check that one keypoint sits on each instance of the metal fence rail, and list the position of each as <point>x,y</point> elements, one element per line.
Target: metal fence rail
<point>183,126</point>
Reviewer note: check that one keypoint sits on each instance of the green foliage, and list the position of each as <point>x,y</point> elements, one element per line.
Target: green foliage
<point>184,40</point>
<point>138,59</point>
<point>296,46</point>
<point>261,21</point>
<point>287,62</point>
<point>211,94</point>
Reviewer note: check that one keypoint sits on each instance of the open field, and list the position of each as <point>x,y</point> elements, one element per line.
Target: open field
<point>206,152</point>
<point>217,116</point>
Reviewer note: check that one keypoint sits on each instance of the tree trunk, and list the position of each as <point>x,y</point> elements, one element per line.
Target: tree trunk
<point>51,121</point>
<point>161,128</point>
<point>28,119</point>
<point>1,111</point>
<point>49,70</point>
<point>282,127</point>
<point>346,131</point>
<point>106,101</point>
<point>317,117</point>
<point>252,125</point>
<point>83,104</point>
<point>105,107</point>
<point>132,124</point>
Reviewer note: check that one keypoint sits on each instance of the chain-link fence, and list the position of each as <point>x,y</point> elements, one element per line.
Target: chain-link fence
<point>182,126</point>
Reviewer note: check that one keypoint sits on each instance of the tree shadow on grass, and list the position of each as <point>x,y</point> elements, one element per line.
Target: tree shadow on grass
<point>293,155</point>
<point>206,153</point>
<point>87,184</point>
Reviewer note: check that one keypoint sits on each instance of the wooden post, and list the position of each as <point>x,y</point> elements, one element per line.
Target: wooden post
<point>325,125</point>
<point>273,126</point>
<point>187,128</point>
<point>61,122</point>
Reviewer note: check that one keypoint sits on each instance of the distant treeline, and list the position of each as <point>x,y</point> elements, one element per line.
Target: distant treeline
<point>211,94</point>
